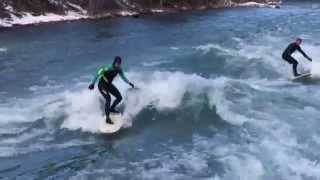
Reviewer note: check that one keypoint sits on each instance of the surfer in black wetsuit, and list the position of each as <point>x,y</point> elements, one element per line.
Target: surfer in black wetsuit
<point>106,74</point>
<point>290,50</point>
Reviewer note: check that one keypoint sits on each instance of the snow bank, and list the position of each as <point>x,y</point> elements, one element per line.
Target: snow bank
<point>127,13</point>
<point>77,12</point>
<point>157,10</point>
<point>28,18</point>
<point>255,4</point>
<point>49,17</point>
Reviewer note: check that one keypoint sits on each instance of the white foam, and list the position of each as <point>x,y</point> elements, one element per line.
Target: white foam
<point>48,108</point>
<point>29,110</point>
<point>50,86</point>
<point>316,138</point>
<point>162,90</point>
<point>313,52</point>
<point>291,164</point>
<point>3,49</point>
<point>16,113</point>
<point>9,151</point>
<point>83,111</point>
<point>165,165</point>
<point>218,100</point>
<point>174,48</point>
<point>245,167</point>
<point>241,163</point>
<point>155,63</point>
<point>23,137</point>
<point>269,49</point>
<point>315,6</point>
<point>315,71</point>
<point>206,48</point>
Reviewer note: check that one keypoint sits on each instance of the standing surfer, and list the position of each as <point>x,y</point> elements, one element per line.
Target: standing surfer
<point>290,50</point>
<point>106,75</point>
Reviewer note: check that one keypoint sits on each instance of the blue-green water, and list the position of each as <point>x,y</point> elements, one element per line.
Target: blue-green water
<point>214,99</point>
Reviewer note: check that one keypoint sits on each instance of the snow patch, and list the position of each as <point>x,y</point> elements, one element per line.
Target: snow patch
<point>127,13</point>
<point>49,17</point>
<point>157,10</point>
<point>5,23</point>
<point>27,18</point>
<point>255,4</point>
<point>77,7</point>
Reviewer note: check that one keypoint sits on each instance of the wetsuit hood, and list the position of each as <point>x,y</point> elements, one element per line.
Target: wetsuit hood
<point>117,59</point>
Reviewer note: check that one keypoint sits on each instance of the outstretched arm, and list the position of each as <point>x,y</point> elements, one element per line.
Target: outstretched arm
<point>304,54</point>
<point>125,79</point>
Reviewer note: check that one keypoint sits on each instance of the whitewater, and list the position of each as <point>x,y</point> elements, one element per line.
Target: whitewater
<point>214,99</point>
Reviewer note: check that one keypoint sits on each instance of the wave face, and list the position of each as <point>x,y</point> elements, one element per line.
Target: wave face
<point>213,100</point>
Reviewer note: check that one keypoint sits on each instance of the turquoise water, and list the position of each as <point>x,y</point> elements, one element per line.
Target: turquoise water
<point>214,99</point>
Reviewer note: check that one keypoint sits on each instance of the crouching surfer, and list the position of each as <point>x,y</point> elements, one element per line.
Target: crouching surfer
<point>105,75</point>
<point>290,50</point>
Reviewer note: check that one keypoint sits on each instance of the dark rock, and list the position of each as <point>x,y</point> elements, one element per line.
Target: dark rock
<point>3,12</point>
<point>136,15</point>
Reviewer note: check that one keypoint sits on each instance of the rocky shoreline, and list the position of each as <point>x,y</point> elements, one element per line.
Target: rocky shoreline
<point>26,12</point>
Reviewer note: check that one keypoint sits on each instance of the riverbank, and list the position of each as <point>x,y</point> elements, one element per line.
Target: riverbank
<point>12,14</point>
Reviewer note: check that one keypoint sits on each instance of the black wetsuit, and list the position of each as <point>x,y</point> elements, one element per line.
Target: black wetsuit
<point>106,75</point>
<point>286,55</point>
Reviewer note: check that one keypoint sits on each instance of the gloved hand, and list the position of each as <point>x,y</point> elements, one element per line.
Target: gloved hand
<point>91,86</point>
<point>132,85</point>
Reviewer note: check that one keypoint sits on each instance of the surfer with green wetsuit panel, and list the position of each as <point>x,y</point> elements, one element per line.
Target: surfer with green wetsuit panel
<point>105,75</point>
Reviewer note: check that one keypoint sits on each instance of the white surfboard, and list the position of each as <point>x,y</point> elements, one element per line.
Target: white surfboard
<point>111,128</point>
<point>302,77</point>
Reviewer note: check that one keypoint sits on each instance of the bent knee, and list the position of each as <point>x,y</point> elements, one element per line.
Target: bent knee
<point>119,98</point>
